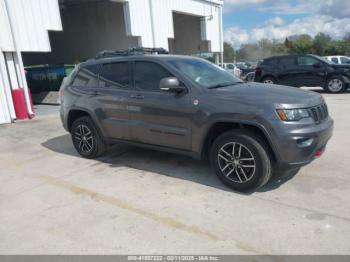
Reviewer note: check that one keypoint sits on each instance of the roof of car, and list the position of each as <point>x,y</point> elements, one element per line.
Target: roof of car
<point>291,55</point>
<point>135,57</point>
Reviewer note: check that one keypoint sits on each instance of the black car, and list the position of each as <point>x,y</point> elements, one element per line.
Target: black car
<point>304,70</point>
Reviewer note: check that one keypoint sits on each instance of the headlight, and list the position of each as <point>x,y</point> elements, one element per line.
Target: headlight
<point>292,114</point>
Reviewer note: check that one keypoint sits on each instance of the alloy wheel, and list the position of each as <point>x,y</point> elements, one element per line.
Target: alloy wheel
<point>236,162</point>
<point>268,81</point>
<point>84,138</point>
<point>335,85</point>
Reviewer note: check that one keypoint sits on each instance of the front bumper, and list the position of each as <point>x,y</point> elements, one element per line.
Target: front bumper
<point>294,153</point>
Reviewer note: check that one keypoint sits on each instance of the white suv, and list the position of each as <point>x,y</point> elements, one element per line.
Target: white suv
<point>342,60</point>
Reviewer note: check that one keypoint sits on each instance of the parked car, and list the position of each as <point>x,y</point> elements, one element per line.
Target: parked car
<point>342,60</point>
<point>190,106</point>
<point>304,70</point>
<point>232,68</point>
<point>247,71</point>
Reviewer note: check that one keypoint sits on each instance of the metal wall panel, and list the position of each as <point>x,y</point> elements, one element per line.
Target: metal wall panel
<point>31,20</point>
<point>7,111</point>
<point>153,20</point>
<point>6,42</point>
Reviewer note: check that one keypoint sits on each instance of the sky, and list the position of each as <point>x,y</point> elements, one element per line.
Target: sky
<point>247,21</point>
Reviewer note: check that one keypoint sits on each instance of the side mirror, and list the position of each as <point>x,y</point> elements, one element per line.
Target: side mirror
<point>171,84</point>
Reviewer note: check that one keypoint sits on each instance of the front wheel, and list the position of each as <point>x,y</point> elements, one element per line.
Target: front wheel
<point>241,160</point>
<point>335,85</point>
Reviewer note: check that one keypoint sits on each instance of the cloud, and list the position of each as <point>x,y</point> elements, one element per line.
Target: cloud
<point>235,5</point>
<point>335,8</point>
<point>276,28</point>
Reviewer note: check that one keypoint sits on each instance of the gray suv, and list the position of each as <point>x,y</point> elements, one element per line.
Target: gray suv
<point>187,105</point>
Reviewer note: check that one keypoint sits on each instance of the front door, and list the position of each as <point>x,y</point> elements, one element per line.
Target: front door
<point>311,72</point>
<point>158,117</point>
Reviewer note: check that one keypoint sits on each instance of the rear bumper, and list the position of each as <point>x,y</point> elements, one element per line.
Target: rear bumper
<point>293,153</point>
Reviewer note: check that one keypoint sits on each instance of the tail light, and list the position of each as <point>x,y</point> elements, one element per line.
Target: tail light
<point>60,95</point>
<point>61,92</point>
<point>258,70</point>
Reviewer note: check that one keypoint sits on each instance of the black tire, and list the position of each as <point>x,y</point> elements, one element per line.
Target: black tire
<point>269,80</point>
<point>338,87</point>
<point>86,138</point>
<point>251,145</point>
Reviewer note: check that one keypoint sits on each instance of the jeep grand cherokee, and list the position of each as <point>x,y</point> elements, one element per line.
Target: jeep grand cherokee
<point>187,105</point>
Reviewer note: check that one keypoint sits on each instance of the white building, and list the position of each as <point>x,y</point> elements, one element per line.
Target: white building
<point>68,31</point>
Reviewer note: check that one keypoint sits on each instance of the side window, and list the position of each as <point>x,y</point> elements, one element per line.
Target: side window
<point>287,62</point>
<point>87,76</point>
<point>269,62</point>
<point>344,60</point>
<point>307,61</point>
<point>148,75</point>
<point>230,66</point>
<point>115,75</point>
<point>335,60</point>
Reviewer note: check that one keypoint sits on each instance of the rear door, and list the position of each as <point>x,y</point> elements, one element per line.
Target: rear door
<point>158,117</point>
<point>112,96</point>
<point>287,70</point>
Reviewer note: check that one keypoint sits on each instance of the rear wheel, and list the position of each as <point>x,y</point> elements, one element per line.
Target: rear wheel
<point>241,160</point>
<point>269,80</point>
<point>86,139</point>
<point>335,85</point>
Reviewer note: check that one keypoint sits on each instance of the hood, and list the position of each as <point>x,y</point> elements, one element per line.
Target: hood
<point>277,95</point>
<point>344,66</point>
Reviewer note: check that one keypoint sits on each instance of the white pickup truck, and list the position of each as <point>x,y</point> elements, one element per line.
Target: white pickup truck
<point>232,68</point>
<point>341,60</point>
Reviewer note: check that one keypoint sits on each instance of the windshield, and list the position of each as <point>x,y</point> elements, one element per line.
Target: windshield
<point>204,73</point>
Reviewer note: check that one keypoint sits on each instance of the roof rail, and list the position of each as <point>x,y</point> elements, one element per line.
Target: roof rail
<point>131,51</point>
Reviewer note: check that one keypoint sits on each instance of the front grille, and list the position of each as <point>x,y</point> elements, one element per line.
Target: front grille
<point>319,113</point>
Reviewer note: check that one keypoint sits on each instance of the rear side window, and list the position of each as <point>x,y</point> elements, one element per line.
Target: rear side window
<point>269,62</point>
<point>307,61</point>
<point>87,76</point>
<point>287,62</point>
<point>115,75</point>
<point>148,75</point>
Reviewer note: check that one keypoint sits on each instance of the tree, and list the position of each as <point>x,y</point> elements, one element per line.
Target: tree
<point>301,44</point>
<point>322,44</point>
<point>229,53</point>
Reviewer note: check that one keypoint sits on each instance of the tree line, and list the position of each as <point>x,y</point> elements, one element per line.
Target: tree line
<point>322,45</point>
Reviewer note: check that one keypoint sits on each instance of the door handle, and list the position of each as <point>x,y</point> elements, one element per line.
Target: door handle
<point>138,96</point>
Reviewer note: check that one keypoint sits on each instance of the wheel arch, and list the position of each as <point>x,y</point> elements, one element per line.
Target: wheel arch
<point>269,76</point>
<point>345,79</point>
<point>76,113</point>
<point>220,127</point>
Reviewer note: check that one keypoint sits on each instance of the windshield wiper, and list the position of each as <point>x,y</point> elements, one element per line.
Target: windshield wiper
<point>225,84</point>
